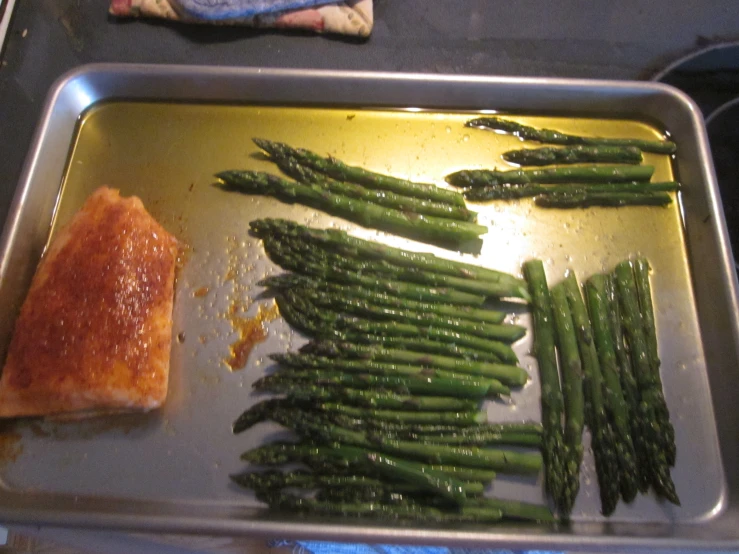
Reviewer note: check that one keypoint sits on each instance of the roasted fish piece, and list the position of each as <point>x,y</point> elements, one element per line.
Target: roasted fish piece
<point>94,333</point>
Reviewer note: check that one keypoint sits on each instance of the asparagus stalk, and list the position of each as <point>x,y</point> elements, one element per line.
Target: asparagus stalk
<point>438,433</point>
<point>481,438</point>
<point>377,298</point>
<point>331,303</point>
<point>629,386</point>
<point>309,361</point>
<point>437,483</point>
<point>614,399</point>
<point>290,381</point>
<point>550,136</point>
<point>417,513</point>
<point>434,230</point>
<point>482,458</point>
<point>311,259</point>
<point>338,170</point>
<point>656,435</point>
<point>579,174</point>
<point>332,459</point>
<point>563,190</point>
<point>551,395</point>
<point>574,155</point>
<point>382,400</point>
<point>304,174</point>
<point>340,241</point>
<point>461,418</point>
<point>317,324</point>
<point>603,440</point>
<point>515,510</point>
<point>572,390</point>
<point>605,199</point>
<point>491,351</point>
<point>644,291</point>
<point>276,480</point>
<point>506,374</point>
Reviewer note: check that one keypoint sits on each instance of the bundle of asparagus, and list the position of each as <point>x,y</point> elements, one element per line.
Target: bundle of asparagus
<point>414,210</point>
<point>569,187</point>
<point>386,397</point>
<point>607,347</point>
<point>549,136</point>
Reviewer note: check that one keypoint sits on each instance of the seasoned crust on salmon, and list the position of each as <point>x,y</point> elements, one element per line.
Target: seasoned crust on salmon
<point>94,332</point>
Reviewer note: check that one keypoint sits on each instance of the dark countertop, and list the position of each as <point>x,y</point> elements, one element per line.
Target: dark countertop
<point>626,39</point>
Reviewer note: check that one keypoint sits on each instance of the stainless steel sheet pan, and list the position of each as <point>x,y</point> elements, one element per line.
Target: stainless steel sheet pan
<point>161,132</point>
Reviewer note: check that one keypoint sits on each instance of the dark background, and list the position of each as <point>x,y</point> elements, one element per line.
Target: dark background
<point>618,39</point>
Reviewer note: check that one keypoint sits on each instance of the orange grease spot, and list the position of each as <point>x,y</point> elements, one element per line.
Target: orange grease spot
<point>251,332</point>
<point>10,448</point>
<point>199,293</point>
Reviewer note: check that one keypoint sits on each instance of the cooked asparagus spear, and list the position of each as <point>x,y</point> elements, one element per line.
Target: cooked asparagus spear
<point>574,155</point>
<point>438,433</point>
<point>309,361</point>
<point>656,435</point>
<point>483,458</point>
<point>306,361</point>
<point>384,400</point>
<point>461,418</point>
<point>579,174</point>
<point>629,386</point>
<point>289,381</point>
<point>572,391</point>
<point>644,291</point>
<point>314,323</point>
<point>507,374</point>
<point>603,440</point>
<point>410,204</point>
<point>377,298</point>
<point>340,241</point>
<point>526,132</point>
<point>551,394</point>
<point>436,230</point>
<point>332,459</point>
<point>418,513</point>
<point>276,480</point>
<point>608,190</point>
<point>587,199</point>
<point>339,170</point>
<point>312,259</point>
<point>328,303</point>
<point>613,397</point>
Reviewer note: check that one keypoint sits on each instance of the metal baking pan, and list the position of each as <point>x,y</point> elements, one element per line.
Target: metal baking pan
<point>160,132</point>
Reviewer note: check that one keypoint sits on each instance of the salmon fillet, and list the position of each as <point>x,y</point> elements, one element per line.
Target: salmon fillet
<point>94,332</point>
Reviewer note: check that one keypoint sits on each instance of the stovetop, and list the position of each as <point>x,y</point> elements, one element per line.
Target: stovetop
<point>711,78</point>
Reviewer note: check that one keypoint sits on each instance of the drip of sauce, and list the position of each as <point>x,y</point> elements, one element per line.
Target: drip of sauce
<point>10,448</point>
<point>201,292</point>
<point>251,332</point>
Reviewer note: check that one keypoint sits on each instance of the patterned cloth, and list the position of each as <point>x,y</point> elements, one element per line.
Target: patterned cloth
<point>352,17</point>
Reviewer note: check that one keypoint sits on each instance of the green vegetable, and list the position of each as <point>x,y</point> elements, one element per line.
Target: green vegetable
<point>435,230</point>
<point>526,132</point>
<point>506,374</point>
<point>616,405</point>
<point>578,174</point>
<point>410,204</point>
<point>656,436</point>
<point>605,199</point>
<point>561,192</point>
<point>572,391</point>
<point>347,245</point>
<point>551,394</point>
<point>338,170</point>
<point>574,155</point>
<point>603,440</point>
